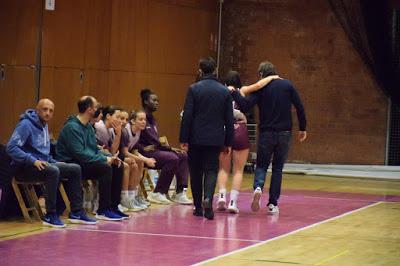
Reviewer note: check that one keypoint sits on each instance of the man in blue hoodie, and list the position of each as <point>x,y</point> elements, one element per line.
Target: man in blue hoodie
<point>29,149</point>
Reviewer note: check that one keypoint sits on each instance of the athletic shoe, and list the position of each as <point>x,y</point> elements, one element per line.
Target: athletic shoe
<point>128,204</point>
<point>108,215</point>
<point>255,205</point>
<point>53,220</point>
<point>232,208</point>
<point>208,210</point>
<point>198,212</point>
<point>123,215</point>
<point>122,208</point>
<point>136,205</point>
<point>221,204</point>
<point>182,198</point>
<point>81,218</point>
<point>272,209</point>
<point>158,198</point>
<point>142,201</point>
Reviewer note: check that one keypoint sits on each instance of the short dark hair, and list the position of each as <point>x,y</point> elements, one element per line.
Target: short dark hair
<point>207,65</point>
<point>109,110</point>
<point>266,69</point>
<point>145,95</point>
<point>233,79</point>
<point>84,103</point>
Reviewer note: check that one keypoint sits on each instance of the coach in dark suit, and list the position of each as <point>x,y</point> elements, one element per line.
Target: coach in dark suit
<point>206,128</point>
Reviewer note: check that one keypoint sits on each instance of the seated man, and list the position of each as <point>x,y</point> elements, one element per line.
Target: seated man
<point>29,148</point>
<point>77,143</point>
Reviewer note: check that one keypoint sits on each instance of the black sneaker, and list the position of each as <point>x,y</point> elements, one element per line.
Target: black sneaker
<point>198,212</point>
<point>208,210</point>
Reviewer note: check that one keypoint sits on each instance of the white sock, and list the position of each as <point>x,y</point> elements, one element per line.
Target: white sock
<point>222,191</point>
<point>132,193</point>
<point>124,194</point>
<point>234,195</point>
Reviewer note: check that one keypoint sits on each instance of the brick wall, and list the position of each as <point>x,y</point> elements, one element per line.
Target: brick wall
<point>345,108</point>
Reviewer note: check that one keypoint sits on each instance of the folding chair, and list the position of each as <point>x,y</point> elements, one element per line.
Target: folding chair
<point>32,199</point>
<point>145,177</point>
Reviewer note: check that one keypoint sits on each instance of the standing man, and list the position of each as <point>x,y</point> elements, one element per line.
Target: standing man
<point>206,128</point>
<point>275,102</point>
<point>29,149</point>
<point>77,143</point>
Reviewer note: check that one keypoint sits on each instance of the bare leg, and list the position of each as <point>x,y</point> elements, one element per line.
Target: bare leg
<point>239,160</point>
<point>224,167</point>
<point>136,174</point>
<point>125,179</point>
<point>223,173</point>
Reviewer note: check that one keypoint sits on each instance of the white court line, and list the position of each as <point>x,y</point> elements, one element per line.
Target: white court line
<point>164,235</point>
<point>329,198</point>
<point>284,235</point>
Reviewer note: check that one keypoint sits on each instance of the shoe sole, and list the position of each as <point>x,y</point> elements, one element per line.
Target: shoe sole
<point>108,219</point>
<point>221,205</point>
<point>159,202</point>
<point>232,210</point>
<point>272,212</point>
<point>167,202</point>
<point>184,202</point>
<point>156,202</point>
<point>135,210</point>
<point>255,205</point>
<point>76,221</point>
<point>53,225</point>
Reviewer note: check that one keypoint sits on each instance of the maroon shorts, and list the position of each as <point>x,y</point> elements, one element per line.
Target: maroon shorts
<point>241,137</point>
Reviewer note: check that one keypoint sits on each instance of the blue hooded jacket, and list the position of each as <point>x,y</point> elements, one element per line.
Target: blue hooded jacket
<point>30,140</point>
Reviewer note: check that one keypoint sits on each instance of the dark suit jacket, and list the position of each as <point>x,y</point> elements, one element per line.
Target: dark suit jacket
<point>208,114</point>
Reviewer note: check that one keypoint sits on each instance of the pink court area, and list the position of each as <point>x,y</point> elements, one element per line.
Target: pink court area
<point>171,235</point>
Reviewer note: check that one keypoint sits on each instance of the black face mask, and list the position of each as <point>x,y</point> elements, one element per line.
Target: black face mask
<point>97,113</point>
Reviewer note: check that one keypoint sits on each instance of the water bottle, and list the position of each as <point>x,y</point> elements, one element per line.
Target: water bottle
<point>154,175</point>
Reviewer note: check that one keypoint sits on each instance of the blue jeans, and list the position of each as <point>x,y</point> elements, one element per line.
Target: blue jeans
<point>271,145</point>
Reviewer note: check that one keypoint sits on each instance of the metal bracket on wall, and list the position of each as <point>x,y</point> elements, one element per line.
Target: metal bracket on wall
<point>2,71</point>
<point>82,76</point>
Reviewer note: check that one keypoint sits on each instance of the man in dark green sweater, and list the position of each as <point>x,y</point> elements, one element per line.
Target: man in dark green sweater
<point>77,143</point>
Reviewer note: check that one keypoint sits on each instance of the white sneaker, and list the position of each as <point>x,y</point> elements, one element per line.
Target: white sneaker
<point>232,208</point>
<point>255,205</point>
<point>136,204</point>
<point>122,208</point>
<point>221,204</point>
<point>272,209</point>
<point>142,201</point>
<point>182,198</point>
<point>158,198</point>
